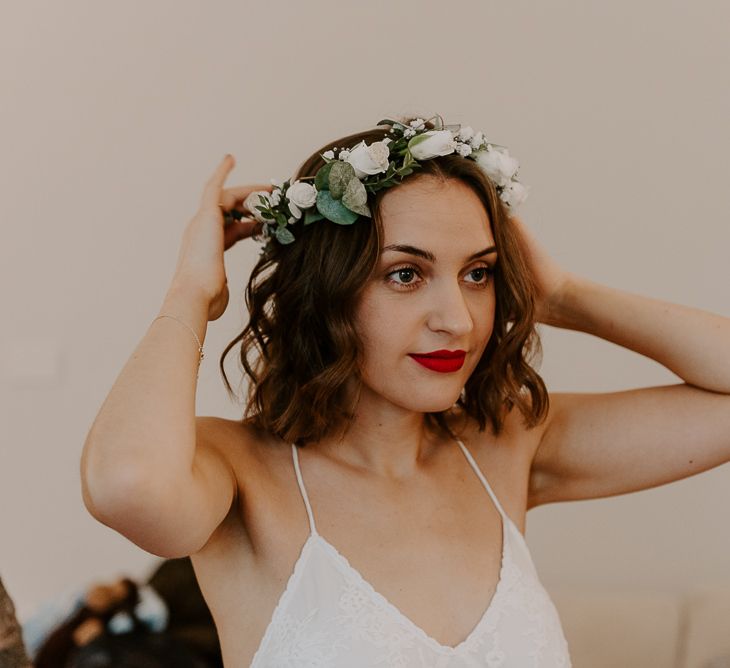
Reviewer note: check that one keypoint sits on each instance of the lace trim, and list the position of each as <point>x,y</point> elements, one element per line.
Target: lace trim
<point>278,613</point>
<point>361,611</point>
<point>289,641</point>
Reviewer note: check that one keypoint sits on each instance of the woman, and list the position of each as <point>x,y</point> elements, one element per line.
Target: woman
<point>370,508</point>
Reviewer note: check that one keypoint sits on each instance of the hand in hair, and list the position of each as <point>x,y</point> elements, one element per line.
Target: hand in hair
<point>552,280</point>
<point>207,236</point>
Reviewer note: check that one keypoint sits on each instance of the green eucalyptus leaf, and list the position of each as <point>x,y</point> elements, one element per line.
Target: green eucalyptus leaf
<point>321,180</point>
<point>281,218</point>
<point>356,197</point>
<point>334,209</point>
<point>418,139</point>
<point>341,173</point>
<point>310,215</point>
<point>284,236</point>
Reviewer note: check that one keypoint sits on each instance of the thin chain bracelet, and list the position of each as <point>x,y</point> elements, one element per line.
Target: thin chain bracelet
<point>200,347</point>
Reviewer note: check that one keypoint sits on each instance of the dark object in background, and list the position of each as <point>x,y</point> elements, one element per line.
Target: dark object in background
<point>189,639</point>
<point>13,653</point>
<point>136,649</point>
<point>190,619</point>
<point>60,643</point>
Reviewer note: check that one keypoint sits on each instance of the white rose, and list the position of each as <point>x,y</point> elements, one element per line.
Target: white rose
<point>477,140</point>
<point>499,165</point>
<point>465,134</point>
<point>252,201</point>
<point>463,149</point>
<point>513,194</point>
<point>367,160</point>
<point>438,142</point>
<point>301,195</point>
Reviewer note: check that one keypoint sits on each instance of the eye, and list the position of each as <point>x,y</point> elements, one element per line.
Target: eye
<point>484,271</point>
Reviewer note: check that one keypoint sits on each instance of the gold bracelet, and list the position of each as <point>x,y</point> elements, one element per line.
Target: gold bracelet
<point>200,347</point>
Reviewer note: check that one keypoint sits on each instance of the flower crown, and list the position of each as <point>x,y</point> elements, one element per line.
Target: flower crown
<point>341,187</point>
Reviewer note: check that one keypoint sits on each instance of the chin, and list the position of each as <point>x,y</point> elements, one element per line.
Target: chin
<point>437,405</point>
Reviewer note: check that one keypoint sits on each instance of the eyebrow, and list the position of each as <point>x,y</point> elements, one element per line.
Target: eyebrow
<point>427,255</point>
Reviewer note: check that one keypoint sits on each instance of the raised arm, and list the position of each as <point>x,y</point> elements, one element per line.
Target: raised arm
<point>608,443</point>
<point>149,468</point>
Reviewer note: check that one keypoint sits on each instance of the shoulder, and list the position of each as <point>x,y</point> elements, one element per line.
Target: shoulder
<point>513,449</point>
<point>234,438</point>
<point>247,449</point>
<point>514,436</point>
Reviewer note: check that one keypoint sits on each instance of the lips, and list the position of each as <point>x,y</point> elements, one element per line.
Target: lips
<point>446,354</point>
<point>439,361</point>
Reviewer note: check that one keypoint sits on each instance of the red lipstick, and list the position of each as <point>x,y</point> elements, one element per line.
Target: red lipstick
<point>443,361</point>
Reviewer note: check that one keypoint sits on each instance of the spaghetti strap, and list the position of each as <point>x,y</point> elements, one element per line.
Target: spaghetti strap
<point>300,481</point>
<point>483,479</point>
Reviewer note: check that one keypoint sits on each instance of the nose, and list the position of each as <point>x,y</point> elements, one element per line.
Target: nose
<point>450,311</point>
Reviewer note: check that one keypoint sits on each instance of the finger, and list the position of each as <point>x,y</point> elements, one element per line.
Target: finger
<point>241,229</point>
<point>213,186</point>
<point>234,197</point>
<point>246,228</point>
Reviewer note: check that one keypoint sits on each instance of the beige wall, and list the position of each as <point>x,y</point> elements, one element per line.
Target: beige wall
<point>113,114</point>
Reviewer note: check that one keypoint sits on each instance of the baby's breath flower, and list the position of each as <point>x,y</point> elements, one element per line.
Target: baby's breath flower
<point>340,193</point>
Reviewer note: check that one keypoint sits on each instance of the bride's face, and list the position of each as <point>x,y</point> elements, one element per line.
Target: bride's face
<point>419,304</point>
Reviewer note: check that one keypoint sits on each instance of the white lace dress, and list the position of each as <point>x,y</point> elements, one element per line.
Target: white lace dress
<point>330,616</point>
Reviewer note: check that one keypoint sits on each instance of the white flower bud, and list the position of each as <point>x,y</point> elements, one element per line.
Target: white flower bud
<point>463,149</point>
<point>367,160</point>
<point>252,201</point>
<point>300,195</point>
<point>498,164</point>
<point>439,142</point>
<point>465,134</point>
<point>513,194</point>
<point>477,140</point>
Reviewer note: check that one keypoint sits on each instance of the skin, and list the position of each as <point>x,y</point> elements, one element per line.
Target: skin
<point>403,506</point>
<point>423,502</point>
<point>422,307</point>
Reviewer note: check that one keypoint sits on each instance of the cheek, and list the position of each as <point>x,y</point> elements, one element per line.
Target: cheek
<point>378,329</point>
<point>373,318</point>
<point>383,335</point>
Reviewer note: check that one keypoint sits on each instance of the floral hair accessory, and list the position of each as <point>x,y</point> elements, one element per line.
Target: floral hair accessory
<point>340,189</point>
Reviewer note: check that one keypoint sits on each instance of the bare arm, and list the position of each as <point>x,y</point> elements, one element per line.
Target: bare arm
<point>598,444</point>
<point>151,469</point>
<point>602,444</point>
<point>147,470</point>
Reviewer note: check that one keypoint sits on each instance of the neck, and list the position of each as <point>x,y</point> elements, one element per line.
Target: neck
<point>386,440</point>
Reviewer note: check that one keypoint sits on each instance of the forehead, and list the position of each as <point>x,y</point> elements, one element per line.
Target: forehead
<point>438,214</point>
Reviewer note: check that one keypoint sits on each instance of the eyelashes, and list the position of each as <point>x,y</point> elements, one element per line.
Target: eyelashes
<point>486,269</point>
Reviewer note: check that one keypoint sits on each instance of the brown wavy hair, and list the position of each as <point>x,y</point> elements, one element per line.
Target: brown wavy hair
<point>302,297</point>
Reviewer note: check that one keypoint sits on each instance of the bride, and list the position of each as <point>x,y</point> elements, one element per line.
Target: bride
<point>370,504</point>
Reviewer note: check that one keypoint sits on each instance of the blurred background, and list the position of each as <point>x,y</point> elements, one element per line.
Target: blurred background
<point>114,114</point>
